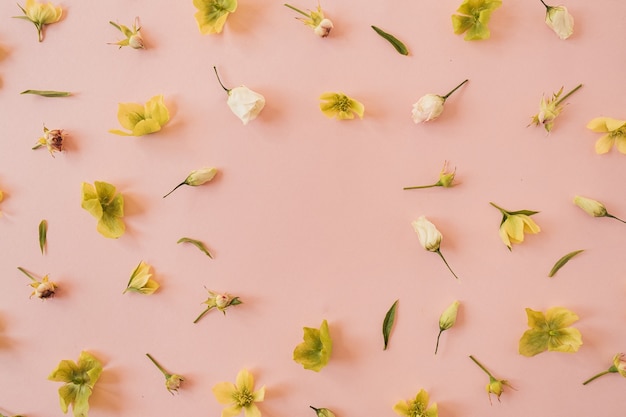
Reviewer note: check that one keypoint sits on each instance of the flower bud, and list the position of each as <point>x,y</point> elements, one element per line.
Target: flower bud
<point>428,107</point>
<point>427,233</point>
<point>592,207</point>
<point>323,29</point>
<point>136,41</point>
<point>560,21</point>
<point>495,387</point>
<point>222,301</point>
<point>245,103</point>
<point>620,364</point>
<point>448,317</point>
<point>172,383</point>
<point>45,289</point>
<point>200,176</point>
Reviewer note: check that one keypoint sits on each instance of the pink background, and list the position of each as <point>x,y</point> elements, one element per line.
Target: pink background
<point>307,219</point>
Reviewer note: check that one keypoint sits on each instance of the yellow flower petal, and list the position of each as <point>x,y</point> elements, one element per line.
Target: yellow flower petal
<point>614,124</point>
<point>245,380</point>
<point>155,109</point>
<point>604,144</point>
<point>252,411</point>
<point>129,114</point>
<point>529,224</point>
<point>560,317</point>
<point>514,227</point>
<point>224,392</point>
<point>567,340</point>
<point>620,143</point>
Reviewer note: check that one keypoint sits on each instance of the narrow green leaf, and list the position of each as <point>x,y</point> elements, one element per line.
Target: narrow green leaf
<point>197,244</point>
<point>47,93</point>
<point>43,233</point>
<point>565,259</point>
<point>390,318</point>
<point>400,47</point>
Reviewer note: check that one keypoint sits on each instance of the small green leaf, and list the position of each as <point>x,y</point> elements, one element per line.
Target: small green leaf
<point>197,244</point>
<point>47,93</point>
<point>561,262</point>
<point>323,412</point>
<point>400,47</point>
<point>43,233</point>
<point>390,318</point>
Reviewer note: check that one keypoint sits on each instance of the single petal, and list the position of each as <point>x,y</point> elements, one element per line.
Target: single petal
<point>529,224</point>
<point>536,319</point>
<point>565,340</point>
<point>422,399</point>
<point>504,236</point>
<point>461,24</point>
<point>80,408</point>
<point>604,144</point>
<point>116,207</point>
<point>156,110</point>
<point>149,287</point>
<point>111,226</point>
<point>620,143</point>
<point>402,408</point>
<point>598,124</point>
<point>514,227</point>
<point>145,127</point>
<point>258,395</point>
<point>231,411</point>
<point>93,207</point>
<point>533,342</point>
<point>252,411</point>
<point>559,317</point>
<point>614,124</point>
<point>67,396</point>
<point>357,107</point>
<point>224,392</point>
<point>245,380</point>
<point>105,191</point>
<point>64,372</point>
<point>129,114</point>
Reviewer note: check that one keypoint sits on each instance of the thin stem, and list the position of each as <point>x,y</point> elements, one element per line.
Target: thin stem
<point>438,336</point>
<point>503,211</point>
<point>446,262</point>
<point>597,376</point>
<point>568,94</point>
<point>297,10</point>
<point>453,90</point>
<point>613,217</point>
<point>480,365</point>
<point>27,274</point>
<point>220,81</point>
<point>167,375</point>
<point>202,314</point>
<point>182,183</point>
<point>316,409</point>
<point>422,186</point>
<point>547,7</point>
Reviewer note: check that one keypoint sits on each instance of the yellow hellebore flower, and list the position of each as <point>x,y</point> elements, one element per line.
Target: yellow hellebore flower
<point>314,352</point>
<point>495,386</point>
<point>550,331</point>
<point>619,366</point>
<point>212,14</point>
<point>445,179</point>
<point>240,395</point>
<point>141,281</point>
<point>549,109</point>
<point>40,15</point>
<point>142,119</point>
<point>447,320</point>
<point>514,224</point>
<point>316,20</point>
<point>172,381</point>
<point>340,106</point>
<point>473,18</point>
<point>103,203</point>
<point>593,208</point>
<point>219,301</point>
<point>417,407</point>
<point>51,139</point>
<point>615,134</point>
<point>79,379</point>
<point>133,37</point>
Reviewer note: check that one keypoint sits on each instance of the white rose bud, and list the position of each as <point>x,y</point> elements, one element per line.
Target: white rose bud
<point>428,107</point>
<point>45,290</point>
<point>323,29</point>
<point>221,301</point>
<point>592,207</point>
<point>245,103</point>
<point>560,21</point>
<point>427,233</point>
<point>136,41</point>
<point>200,176</point>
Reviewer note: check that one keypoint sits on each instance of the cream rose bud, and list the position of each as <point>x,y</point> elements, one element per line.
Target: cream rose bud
<point>427,233</point>
<point>428,107</point>
<point>136,41</point>
<point>200,176</point>
<point>245,103</point>
<point>560,21</point>
<point>172,383</point>
<point>221,301</point>
<point>45,290</point>
<point>323,29</point>
<point>592,207</point>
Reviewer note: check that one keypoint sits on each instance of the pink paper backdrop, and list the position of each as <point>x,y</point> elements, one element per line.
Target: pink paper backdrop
<point>307,219</point>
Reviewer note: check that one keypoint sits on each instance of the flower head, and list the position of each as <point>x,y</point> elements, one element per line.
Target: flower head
<point>430,238</point>
<point>619,366</point>
<point>79,379</point>
<point>473,18</point>
<point>243,102</point>
<point>133,36</point>
<point>141,280</point>
<point>495,386</point>
<point>221,301</point>
<point>549,109</point>
<point>314,352</point>
<point>212,14</point>
<point>615,134</point>
<point>142,119</point>
<point>40,14</point>
<point>240,395</point>
<point>103,202</point>
<point>315,19</point>
<point>417,407</point>
<point>430,106</point>
<point>51,139</point>
<point>550,331</point>
<point>172,381</point>
<point>446,179</point>
<point>42,289</point>
<point>514,224</point>
<point>340,106</point>
<point>196,177</point>
<point>559,20</point>
<point>594,208</point>
<point>447,320</point>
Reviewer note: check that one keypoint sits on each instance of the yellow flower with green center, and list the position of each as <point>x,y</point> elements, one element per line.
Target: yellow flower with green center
<point>79,379</point>
<point>212,14</point>
<point>615,134</point>
<point>473,18</point>
<point>514,224</point>
<point>103,203</point>
<point>40,15</point>
<point>417,407</point>
<point>142,119</point>
<point>240,395</point>
<point>340,106</point>
<point>550,331</point>
<point>314,352</point>
<point>141,280</point>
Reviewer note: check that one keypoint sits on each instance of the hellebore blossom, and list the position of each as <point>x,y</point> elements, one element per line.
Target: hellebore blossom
<point>430,106</point>
<point>615,134</point>
<point>314,352</point>
<point>619,366</point>
<point>133,37</point>
<point>430,238</point>
<point>40,15</point>
<point>549,109</point>
<point>514,224</point>
<point>447,320</point>
<point>172,381</point>
<point>593,208</point>
<point>141,280</point>
<point>243,102</point>
<point>103,202</point>
<point>240,395</point>
<point>550,331</point>
<point>495,386</point>
<point>316,20</point>
<point>559,20</point>
<point>341,107</point>
<point>417,407</point>
<point>42,289</point>
<point>51,139</point>
<point>445,179</point>
<point>473,18</point>
<point>212,14</point>
<point>142,119</point>
<point>79,379</point>
<point>219,301</point>
<point>196,177</point>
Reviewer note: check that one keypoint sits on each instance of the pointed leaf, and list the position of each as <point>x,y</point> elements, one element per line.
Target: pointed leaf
<point>390,318</point>
<point>47,93</point>
<point>561,262</point>
<point>43,232</point>
<point>395,42</point>
<point>197,244</point>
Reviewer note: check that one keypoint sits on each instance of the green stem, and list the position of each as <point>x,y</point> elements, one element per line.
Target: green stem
<point>610,370</point>
<point>503,211</point>
<point>568,94</point>
<point>202,315</point>
<point>422,186</point>
<point>175,188</point>
<point>438,336</point>
<point>613,217</point>
<point>297,10</point>
<point>27,274</point>
<point>480,365</point>
<point>453,90</point>
<point>547,7</point>
<point>167,375</point>
<point>220,81</point>
<point>446,262</point>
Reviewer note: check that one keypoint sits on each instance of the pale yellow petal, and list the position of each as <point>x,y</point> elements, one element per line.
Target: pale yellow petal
<point>224,392</point>
<point>604,144</point>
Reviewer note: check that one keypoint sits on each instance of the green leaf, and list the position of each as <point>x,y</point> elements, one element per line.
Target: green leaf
<point>47,93</point>
<point>561,262</point>
<point>197,244</point>
<point>400,47</point>
<point>43,232</point>
<point>390,318</point>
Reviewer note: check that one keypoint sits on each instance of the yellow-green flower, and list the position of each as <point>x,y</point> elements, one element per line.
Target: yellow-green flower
<point>316,20</point>
<point>619,366</point>
<point>550,331</point>
<point>473,18</point>
<point>103,203</point>
<point>445,179</point>
<point>40,15</point>
<point>41,289</point>
<point>549,109</point>
<point>495,386</point>
<point>79,379</point>
<point>417,407</point>
<point>594,208</point>
<point>314,352</point>
<point>212,14</point>
<point>514,224</point>
<point>340,106</point>
<point>615,134</point>
<point>240,395</point>
<point>219,301</point>
<point>141,280</point>
<point>447,320</point>
<point>142,119</point>
<point>172,381</point>
<point>133,36</point>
